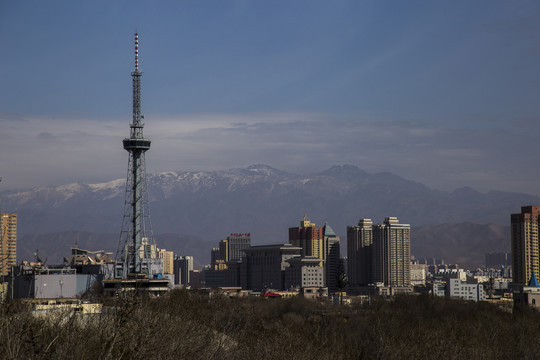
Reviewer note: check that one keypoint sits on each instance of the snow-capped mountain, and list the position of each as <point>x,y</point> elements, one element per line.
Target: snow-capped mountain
<point>258,199</point>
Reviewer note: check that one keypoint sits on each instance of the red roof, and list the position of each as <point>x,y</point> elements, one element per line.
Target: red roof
<point>270,294</point>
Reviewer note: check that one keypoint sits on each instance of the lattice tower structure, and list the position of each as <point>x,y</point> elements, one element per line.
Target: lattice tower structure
<point>134,255</point>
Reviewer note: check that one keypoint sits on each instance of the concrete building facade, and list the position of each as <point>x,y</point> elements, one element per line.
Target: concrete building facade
<point>458,289</point>
<point>304,272</point>
<point>263,266</point>
<point>418,274</point>
<point>43,282</point>
<point>232,248</point>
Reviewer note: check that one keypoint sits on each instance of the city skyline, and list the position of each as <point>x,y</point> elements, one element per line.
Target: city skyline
<point>443,94</point>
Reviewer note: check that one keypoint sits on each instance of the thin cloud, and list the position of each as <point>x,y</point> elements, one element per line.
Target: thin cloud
<point>88,150</point>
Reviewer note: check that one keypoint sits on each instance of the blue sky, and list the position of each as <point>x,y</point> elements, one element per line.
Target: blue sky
<point>445,93</point>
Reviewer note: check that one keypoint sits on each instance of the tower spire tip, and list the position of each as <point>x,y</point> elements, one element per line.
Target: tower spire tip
<point>136,51</point>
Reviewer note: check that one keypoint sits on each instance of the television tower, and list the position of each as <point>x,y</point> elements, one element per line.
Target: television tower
<point>134,256</point>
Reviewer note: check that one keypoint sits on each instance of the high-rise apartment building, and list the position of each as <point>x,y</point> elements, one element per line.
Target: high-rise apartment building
<point>392,253</point>
<point>379,253</point>
<point>308,237</point>
<point>525,244</point>
<point>331,255</point>
<point>8,238</point>
<point>359,253</point>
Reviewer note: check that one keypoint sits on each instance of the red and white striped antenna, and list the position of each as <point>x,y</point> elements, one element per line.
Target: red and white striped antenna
<point>136,52</point>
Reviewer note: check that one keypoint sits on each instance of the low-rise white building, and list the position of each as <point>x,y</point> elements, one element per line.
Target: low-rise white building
<point>458,289</point>
<point>418,274</point>
<point>438,289</point>
<point>304,272</point>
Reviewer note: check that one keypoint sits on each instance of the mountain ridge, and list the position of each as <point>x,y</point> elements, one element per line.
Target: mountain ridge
<point>258,199</point>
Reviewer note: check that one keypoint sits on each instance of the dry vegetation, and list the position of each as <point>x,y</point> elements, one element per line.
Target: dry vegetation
<point>184,325</point>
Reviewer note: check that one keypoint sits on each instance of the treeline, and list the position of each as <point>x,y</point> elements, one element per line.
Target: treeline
<point>185,325</point>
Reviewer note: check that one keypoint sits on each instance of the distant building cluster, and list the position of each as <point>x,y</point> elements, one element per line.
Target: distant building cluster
<point>378,262</point>
<point>310,259</point>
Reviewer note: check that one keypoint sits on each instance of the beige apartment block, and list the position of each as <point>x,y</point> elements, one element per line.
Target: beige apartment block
<point>168,258</point>
<point>524,242</point>
<point>8,238</point>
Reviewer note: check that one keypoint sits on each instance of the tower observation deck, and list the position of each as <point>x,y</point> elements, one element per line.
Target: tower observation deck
<point>136,249</point>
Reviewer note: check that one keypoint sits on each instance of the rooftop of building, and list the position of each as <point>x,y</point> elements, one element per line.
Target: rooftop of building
<point>307,260</point>
<point>272,247</point>
<point>534,281</point>
<point>327,230</point>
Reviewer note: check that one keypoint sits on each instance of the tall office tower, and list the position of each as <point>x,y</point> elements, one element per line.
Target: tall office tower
<point>8,238</point>
<point>215,255</point>
<point>360,252</point>
<point>223,250</point>
<point>309,237</point>
<point>183,266</point>
<point>525,247</point>
<point>392,253</point>
<point>136,225</point>
<point>331,256</point>
<point>233,248</point>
